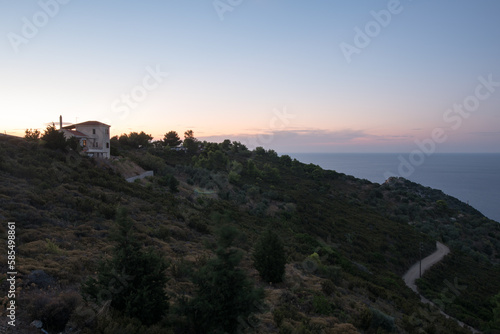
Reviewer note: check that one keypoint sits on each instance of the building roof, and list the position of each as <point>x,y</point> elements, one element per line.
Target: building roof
<point>88,123</point>
<point>75,133</point>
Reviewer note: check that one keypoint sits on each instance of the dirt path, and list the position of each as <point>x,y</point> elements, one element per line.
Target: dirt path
<point>414,273</point>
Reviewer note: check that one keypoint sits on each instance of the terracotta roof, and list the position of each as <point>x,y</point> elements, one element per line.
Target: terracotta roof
<point>84,124</point>
<point>76,133</point>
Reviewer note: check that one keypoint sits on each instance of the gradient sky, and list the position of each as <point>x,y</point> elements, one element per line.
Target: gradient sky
<point>271,73</point>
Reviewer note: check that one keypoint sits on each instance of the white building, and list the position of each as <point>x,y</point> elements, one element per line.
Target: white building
<point>93,137</point>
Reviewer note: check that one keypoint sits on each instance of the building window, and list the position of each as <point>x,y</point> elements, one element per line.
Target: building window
<point>107,145</point>
<point>106,131</point>
<point>84,142</point>
<point>96,144</point>
<point>93,131</point>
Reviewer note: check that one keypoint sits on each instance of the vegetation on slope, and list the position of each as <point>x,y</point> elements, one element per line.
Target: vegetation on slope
<point>347,241</point>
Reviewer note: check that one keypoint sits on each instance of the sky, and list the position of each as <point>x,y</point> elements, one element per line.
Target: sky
<point>294,76</point>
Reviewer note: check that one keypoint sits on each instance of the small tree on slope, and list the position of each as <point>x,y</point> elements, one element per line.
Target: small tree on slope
<point>269,257</point>
<point>133,279</point>
<point>224,292</point>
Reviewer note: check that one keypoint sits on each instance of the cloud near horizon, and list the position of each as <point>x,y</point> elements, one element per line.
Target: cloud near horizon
<point>310,140</point>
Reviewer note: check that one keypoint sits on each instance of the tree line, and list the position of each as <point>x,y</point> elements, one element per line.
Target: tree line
<point>55,139</point>
<point>170,139</point>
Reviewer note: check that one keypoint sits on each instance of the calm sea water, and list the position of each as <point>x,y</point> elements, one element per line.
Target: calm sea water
<point>472,178</point>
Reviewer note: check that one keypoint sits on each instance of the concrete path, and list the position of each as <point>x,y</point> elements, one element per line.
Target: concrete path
<point>141,176</point>
<point>414,273</point>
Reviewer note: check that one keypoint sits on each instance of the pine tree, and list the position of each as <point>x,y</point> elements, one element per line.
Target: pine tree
<point>32,135</point>
<point>171,139</point>
<point>133,279</point>
<point>173,184</point>
<point>190,142</point>
<point>53,138</point>
<point>269,257</point>
<point>224,292</point>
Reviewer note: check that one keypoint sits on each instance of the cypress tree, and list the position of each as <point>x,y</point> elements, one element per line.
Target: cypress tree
<point>53,138</point>
<point>224,292</point>
<point>133,279</point>
<point>269,257</point>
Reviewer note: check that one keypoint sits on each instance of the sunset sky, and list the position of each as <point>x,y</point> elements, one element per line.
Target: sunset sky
<point>295,76</point>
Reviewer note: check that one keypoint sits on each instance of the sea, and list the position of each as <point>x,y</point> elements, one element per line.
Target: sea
<point>472,178</point>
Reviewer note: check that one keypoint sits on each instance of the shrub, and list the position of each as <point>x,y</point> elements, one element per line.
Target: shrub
<point>32,135</point>
<point>180,269</point>
<point>224,292</point>
<point>150,162</point>
<point>111,322</point>
<point>52,247</point>
<point>173,184</point>
<point>134,280</point>
<point>233,177</point>
<point>333,273</point>
<point>343,329</point>
<point>53,310</point>
<point>271,174</point>
<point>495,301</point>
<point>382,320</point>
<point>269,257</point>
<point>364,320</point>
<point>260,150</point>
<point>163,233</point>
<point>251,169</point>
<point>328,287</point>
<point>198,225</point>
<point>53,138</point>
<point>278,316</point>
<point>322,305</point>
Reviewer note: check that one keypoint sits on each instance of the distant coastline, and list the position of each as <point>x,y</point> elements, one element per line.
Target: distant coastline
<point>473,178</point>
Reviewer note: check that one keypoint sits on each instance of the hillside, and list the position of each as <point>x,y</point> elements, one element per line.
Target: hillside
<point>347,241</point>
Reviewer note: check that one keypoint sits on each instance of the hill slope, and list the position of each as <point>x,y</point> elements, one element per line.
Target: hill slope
<point>347,241</point>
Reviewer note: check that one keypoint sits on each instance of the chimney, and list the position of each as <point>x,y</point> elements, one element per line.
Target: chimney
<point>60,122</point>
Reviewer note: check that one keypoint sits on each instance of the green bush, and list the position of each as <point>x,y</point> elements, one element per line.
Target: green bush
<point>269,257</point>
<point>53,310</point>
<point>52,247</point>
<point>224,292</point>
<point>333,273</point>
<point>180,269</point>
<point>328,287</point>
<point>53,138</point>
<point>199,225</point>
<point>234,177</point>
<point>134,280</point>
<point>322,305</point>
<point>162,233</point>
<point>382,320</point>
<point>150,162</point>
<point>173,184</point>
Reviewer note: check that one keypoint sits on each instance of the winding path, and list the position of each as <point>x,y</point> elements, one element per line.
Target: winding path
<point>414,273</point>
